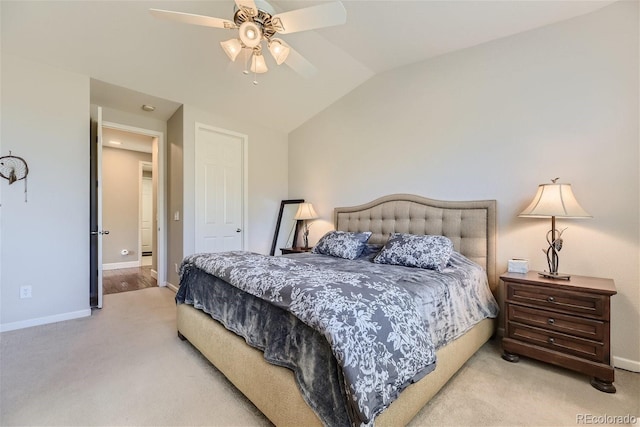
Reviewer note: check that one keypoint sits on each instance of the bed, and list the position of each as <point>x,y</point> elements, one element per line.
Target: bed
<point>469,225</point>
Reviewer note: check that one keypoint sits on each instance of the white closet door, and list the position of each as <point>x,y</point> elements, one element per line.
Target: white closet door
<point>220,189</point>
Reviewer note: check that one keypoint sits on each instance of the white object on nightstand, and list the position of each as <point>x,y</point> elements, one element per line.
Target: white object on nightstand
<point>518,265</point>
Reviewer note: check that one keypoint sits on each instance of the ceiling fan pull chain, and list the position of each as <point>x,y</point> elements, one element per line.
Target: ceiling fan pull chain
<point>246,62</point>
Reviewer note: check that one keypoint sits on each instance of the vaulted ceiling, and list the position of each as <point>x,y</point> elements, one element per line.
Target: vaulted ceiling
<point>120,43</point>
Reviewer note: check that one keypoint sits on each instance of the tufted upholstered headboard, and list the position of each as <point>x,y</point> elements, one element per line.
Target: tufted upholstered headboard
<point>470,225</point>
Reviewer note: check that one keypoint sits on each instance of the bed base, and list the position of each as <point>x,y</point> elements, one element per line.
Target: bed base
<point>273,389</point>
<point>471,226</point>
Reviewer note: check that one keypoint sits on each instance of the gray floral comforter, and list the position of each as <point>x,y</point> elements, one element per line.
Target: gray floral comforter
<point>383,322</point>
<point>450,302</point>
<point>373,326</point>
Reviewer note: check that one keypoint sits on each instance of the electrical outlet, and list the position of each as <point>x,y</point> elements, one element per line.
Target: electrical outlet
<point>25,292</point>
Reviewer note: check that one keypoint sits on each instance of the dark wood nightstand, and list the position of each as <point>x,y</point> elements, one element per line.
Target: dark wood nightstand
<point>562,322</point>
<point>294,250</point>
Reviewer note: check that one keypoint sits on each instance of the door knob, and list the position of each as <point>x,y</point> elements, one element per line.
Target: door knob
<point>238,230</point>
<point>104,232</point>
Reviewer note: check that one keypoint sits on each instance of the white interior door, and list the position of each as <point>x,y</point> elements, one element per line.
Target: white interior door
<point>220,190</point>
<point>95,209</point>
<point>146,215</point>
<point>100,231</point>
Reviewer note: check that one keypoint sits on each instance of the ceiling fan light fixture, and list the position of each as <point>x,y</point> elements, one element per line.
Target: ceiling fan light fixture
<point>256,21</point>
<point>279,50</point>
<point>250,34</point>
<point>258,65</point>
<point>232,48</point>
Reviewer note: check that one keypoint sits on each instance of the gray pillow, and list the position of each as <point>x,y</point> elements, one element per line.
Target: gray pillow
<point>409,250</point>
<point>342,244</point>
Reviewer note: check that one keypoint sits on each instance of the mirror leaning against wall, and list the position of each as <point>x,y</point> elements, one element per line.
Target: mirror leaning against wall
<point>286,232</point>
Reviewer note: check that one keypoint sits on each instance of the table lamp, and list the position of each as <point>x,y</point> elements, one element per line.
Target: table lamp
<point>305,213</point>
<point>554,200</point>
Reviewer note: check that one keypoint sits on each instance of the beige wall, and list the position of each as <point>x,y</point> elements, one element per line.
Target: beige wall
<point>45,118</point>
<point>135,120</point>
<point>121,203</point>
<point>493,122</point>
<point>267,181</point>
<point>175,137</point>
<point>45,242</point>
<point>268,172</point>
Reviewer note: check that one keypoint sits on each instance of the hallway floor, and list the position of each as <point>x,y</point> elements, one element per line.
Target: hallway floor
<point>127,279</point>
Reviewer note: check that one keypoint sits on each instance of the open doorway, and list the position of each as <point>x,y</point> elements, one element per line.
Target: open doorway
<point>131,209</point>
<point>145,210</point>
<point>122,105</point>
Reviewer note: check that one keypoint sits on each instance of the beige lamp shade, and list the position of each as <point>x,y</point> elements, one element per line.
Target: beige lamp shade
<point>232,48</point>
<point>305,211</point>
<point>258,65</point>
<point>279,50</point>
<point>554,200</point>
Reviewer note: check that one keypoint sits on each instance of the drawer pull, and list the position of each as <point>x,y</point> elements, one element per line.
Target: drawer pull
<point>551,321</point>
<point>551,299</point>
<point>551,340</point>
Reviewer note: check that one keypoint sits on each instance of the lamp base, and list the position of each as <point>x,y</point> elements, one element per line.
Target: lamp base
<point>559,276</point>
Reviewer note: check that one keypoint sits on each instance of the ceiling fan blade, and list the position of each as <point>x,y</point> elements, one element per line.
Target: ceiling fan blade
<point>249,6</point>
<point>189,18</point>
<point>310,18</point>
<point>299,64</point>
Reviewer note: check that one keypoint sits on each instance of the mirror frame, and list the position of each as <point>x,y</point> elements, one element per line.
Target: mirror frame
<point>283,203</point>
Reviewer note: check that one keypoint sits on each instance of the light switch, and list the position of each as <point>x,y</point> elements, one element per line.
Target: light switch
<point>176,216</point>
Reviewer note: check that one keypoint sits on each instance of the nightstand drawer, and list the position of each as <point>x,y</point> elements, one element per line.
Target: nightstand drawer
<point>580,347</point>
<point>570,325</point>
<point>571,302</point>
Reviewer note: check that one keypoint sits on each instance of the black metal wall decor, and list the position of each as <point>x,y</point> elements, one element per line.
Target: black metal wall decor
<point>14,168</point>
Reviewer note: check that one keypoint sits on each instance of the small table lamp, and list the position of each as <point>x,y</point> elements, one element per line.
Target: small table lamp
<point>305,213</point>
<point>554,200</point>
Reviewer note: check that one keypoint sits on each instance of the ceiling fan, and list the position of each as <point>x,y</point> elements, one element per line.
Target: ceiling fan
<point>257,22</point>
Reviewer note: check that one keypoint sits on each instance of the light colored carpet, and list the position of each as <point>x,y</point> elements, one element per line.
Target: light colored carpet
<point>125,366</point>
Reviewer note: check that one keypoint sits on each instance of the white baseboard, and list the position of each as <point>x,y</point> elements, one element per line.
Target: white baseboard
<point>626,364</point>
<point>117,265</point>
<point>44,320</point>
<point>171,286</point>
<point>154,274</point>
